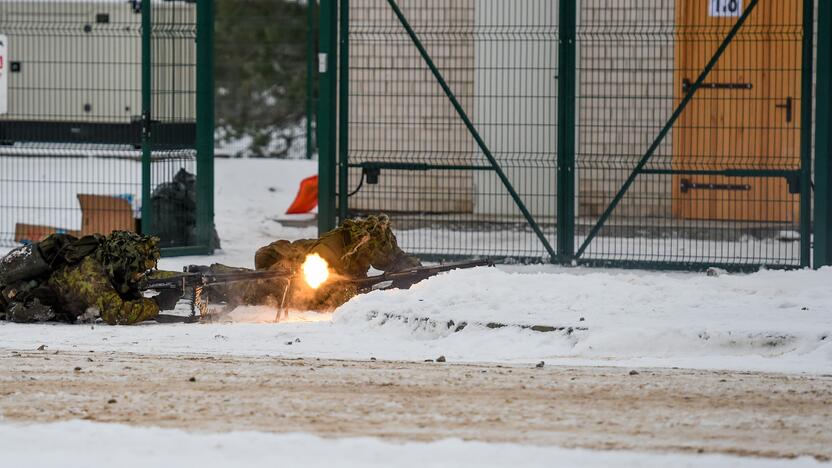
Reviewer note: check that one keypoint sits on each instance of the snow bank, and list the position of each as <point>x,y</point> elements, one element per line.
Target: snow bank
<point>732,321</point>
<point>770,321</point>
<point>92,445</point>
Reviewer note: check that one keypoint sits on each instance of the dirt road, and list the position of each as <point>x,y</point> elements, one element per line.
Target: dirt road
<point>611,408</point>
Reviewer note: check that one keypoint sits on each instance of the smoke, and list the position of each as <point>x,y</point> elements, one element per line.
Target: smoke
<point>268,314</point>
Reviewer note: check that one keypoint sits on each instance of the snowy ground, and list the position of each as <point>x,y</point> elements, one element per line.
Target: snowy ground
<point>771,320</point>
<point>784,251</point>
<point>596,408</point>
<point>768,321</point>
<point>90,445</point>
<point>249,194</point>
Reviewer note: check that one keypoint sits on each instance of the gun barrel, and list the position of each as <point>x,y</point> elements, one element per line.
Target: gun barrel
<point>246,276</point>
<point>419,273</point>
<point>207,278</point>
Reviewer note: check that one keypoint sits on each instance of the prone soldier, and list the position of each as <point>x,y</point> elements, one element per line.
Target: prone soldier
<point>348,250</point>
<point>64,278</point>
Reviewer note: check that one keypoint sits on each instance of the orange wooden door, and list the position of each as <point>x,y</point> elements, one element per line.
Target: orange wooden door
<point>746,117</point>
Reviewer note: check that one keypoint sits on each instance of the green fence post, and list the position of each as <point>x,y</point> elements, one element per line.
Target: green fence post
<point>327,108</point>
<point>205,123</point>
<point>147,151</point>
<point>310,76</point>
<point>823,145</point>
<point>806,134</point>
<point>343,110</point>
<point>566,132</point>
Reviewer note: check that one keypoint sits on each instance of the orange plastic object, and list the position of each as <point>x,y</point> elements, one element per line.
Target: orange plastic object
<point>307,197</point>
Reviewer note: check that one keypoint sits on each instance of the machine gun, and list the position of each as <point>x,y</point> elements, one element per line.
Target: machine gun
<point>197,277</point>
<point>201,275</point>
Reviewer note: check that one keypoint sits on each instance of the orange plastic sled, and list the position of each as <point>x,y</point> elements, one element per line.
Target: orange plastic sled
<point>307,197</point>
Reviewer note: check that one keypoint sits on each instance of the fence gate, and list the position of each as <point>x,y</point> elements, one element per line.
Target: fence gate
<point>630,133</point>
<point>99,127</point>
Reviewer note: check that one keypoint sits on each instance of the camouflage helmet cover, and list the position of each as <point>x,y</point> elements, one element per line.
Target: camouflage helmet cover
<point>126,256</point>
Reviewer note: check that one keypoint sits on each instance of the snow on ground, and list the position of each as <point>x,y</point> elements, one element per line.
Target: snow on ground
<point>249,195</point>
<point>771,320</point>
<point>93,445</point>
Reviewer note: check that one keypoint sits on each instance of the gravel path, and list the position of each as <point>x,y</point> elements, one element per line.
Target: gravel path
<point>739,413</point>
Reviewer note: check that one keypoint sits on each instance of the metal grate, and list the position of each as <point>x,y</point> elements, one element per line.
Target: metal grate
<point>101,113</point>
<point>500,60</point>
<point>173,169</point>
<point>651,156</point>
<point>72,123</point>
<point>719,187</point>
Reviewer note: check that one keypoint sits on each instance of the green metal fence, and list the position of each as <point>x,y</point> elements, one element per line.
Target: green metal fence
<point>106,120</point>
<point>631,133</point>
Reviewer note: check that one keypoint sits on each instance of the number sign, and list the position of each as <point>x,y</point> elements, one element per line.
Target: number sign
<point>725,8</point>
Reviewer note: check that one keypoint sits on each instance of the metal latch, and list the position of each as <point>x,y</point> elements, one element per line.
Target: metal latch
<point>788,106</point>
<point>147,123</point>
<point>687,185</point>
<point>687,85</point>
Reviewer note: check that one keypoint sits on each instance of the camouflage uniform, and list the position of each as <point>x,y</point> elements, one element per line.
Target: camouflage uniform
<point>350,250</point>
<point>86,278</point>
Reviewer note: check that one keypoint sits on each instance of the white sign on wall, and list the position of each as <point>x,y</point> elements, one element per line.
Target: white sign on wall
<point>725,8</point>
<point>4,74</point>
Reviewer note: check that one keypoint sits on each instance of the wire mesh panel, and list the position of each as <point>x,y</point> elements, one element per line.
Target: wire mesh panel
<point>410,151</point>
<point>723,185</point>
<point>76,116</point>
<point>691,133</point>
<point>69,136</point>
<point>172,111</point>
